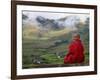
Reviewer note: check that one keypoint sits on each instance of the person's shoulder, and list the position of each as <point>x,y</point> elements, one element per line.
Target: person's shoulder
<point>72,42</point>
<point>76,41</point>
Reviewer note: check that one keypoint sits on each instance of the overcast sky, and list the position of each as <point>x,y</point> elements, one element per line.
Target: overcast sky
<point>71,20</point>
<point>53,15</point>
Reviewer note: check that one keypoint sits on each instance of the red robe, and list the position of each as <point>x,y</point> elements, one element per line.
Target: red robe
<point>76,53</point>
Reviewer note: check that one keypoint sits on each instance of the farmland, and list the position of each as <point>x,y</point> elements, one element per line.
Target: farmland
<point>49,49</point>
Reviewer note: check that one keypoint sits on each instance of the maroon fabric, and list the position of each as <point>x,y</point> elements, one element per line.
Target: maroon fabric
<point>75,53</point>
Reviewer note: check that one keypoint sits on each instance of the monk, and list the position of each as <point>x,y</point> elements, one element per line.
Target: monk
<point>75,51</point>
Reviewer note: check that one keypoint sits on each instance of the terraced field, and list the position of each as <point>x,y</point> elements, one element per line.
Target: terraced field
<point>47,50</point>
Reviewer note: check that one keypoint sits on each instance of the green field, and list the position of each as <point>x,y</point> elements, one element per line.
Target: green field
<point>48,48</point>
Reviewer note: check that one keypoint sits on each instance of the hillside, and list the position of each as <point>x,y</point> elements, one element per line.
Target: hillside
<point>48,46</point>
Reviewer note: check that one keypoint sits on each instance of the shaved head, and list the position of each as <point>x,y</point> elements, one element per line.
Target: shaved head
<point>76,36</point>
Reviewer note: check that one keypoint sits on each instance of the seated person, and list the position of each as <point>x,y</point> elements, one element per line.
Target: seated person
<point>75,51</point>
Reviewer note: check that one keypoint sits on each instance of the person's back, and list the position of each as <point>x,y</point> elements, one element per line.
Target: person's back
<point>76,51</point>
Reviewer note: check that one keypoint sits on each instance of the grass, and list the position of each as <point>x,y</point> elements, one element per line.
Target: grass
<point>44,47</point>
<point>48,55</point>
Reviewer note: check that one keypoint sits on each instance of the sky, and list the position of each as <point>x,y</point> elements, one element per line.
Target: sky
<point>52,15</point>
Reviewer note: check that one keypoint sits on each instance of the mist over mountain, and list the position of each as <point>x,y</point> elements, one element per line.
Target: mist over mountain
<point>40,26</point>
<point>70,22</point>
<point>41,22</point>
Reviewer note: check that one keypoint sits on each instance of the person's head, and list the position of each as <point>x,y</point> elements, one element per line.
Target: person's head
<point>76,36</point>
